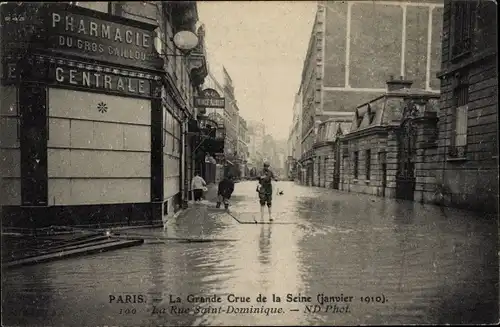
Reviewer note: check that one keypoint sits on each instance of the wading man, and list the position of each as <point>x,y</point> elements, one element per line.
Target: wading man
<point>265,190</point>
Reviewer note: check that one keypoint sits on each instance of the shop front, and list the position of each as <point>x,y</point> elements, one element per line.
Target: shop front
<point>86,108</point>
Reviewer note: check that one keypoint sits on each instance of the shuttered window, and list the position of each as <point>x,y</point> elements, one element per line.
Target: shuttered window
<point>461,109</point>
<point>464,20</point>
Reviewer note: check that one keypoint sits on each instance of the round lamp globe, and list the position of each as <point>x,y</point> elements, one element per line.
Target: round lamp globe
<point>185,40</point>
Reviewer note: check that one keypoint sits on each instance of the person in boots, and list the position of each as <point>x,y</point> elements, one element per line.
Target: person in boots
<point>225,189</point>
<point>265,190</point>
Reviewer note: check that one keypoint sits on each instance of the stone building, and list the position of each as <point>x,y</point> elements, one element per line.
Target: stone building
<point>467,164</point>
<point>353,48</point>
<point>242,145</point>
<point>294,140</point>
<point>386,151</point>
<point>327,152</point>
<point>231,113</point>
<point>92,127</point>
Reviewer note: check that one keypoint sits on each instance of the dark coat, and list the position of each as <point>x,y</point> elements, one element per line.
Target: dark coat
<point>226,188</point>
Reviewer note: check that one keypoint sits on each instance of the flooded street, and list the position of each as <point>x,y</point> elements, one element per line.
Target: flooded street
<point>385,261</point>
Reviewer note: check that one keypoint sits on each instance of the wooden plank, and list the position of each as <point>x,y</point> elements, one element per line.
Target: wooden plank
<point>119,244</point>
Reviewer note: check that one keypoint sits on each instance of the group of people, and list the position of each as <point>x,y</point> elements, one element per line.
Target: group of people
<point>226,189</point>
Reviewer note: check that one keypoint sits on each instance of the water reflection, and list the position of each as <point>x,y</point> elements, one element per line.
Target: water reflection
<point>265,245</point>
<point>156,292</point>
<point>28,293</point>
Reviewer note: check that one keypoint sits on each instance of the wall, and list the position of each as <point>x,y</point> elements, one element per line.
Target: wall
<point>325,156</point>
<point>473,182</point>
<point>171,155</point>
<point>365,42</point>
<point>98,157</point>
<point>10,153</point>
<point>151,12</point>
<point>376,144</point>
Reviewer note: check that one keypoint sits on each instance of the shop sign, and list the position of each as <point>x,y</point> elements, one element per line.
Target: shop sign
<point>77,77</point>
<point>71,30</point>
<point>209,98</point>
<point>85,79</point>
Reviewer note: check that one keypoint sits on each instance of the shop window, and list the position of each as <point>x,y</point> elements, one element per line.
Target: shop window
<point>460,117</point>
<point>355,160</point>
<point>463,23</point>
<point>368,166</point>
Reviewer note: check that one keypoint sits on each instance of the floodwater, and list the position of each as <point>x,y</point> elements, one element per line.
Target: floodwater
<point>378,261</point>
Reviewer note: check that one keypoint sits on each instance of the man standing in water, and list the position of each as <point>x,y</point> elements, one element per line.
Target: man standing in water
<point>265,190</point>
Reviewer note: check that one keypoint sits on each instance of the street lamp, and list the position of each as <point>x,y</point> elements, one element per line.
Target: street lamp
<point>185,41</point>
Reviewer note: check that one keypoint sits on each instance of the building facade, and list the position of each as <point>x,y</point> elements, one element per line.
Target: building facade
<point>354,47</point>
<point>256,132</point>
<point>327,153</point>
<point>216,116</point>
<point>467,164</point>
<point>115,155</point>
<point>295,138</point>
<point>389,148</point>
<point>242,149</point>
<point>231,113</point>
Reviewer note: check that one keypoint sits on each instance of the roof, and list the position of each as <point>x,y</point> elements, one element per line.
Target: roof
<point>329,130</point>
<point>388,109</point>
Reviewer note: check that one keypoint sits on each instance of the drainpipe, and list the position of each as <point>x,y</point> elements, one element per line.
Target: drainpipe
<point>183,164</point>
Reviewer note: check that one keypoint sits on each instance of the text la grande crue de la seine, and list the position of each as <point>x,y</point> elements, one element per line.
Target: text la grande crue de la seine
<point>320,298</point>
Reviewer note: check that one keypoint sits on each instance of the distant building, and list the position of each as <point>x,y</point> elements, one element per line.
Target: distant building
<point>294,141</point>
<point>354,47</point>
<point>242,149</point>
<point>256,132</point>
<point>231,114</point>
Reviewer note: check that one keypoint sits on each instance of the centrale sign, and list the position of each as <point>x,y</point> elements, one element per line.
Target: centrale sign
<point>101,81</point>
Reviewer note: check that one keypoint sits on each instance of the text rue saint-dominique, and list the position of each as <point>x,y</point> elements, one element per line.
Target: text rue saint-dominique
<point>101,30</point>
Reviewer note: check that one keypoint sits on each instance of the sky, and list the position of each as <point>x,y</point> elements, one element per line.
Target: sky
<point>262,45</point>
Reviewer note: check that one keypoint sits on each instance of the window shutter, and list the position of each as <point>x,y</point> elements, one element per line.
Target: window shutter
<point>461,131</point>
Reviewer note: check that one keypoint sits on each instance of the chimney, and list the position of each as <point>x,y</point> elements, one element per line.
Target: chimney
<point>398,84</point>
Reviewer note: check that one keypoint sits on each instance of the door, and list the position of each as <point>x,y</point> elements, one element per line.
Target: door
<point>383,172</point>
<point>384,178</point>
<point>336,166</point>
<point>405,176</point>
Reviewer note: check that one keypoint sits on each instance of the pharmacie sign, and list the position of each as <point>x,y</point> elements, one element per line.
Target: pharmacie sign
<point>209,98</point>
<point>102,39</point>
<point>72,30</point>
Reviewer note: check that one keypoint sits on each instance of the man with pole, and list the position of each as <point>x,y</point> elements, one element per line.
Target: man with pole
<point>265,191</point>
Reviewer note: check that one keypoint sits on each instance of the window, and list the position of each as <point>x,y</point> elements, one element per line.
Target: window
<point>172,133</point>
<point>359,119</point>
<point>464,19</point>
<point>371,114</point>
<point>460,119</point>
<point>356,158</point>
<point>368,157</point>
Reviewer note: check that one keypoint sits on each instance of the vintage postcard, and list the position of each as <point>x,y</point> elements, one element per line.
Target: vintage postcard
<point>249,163</point>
